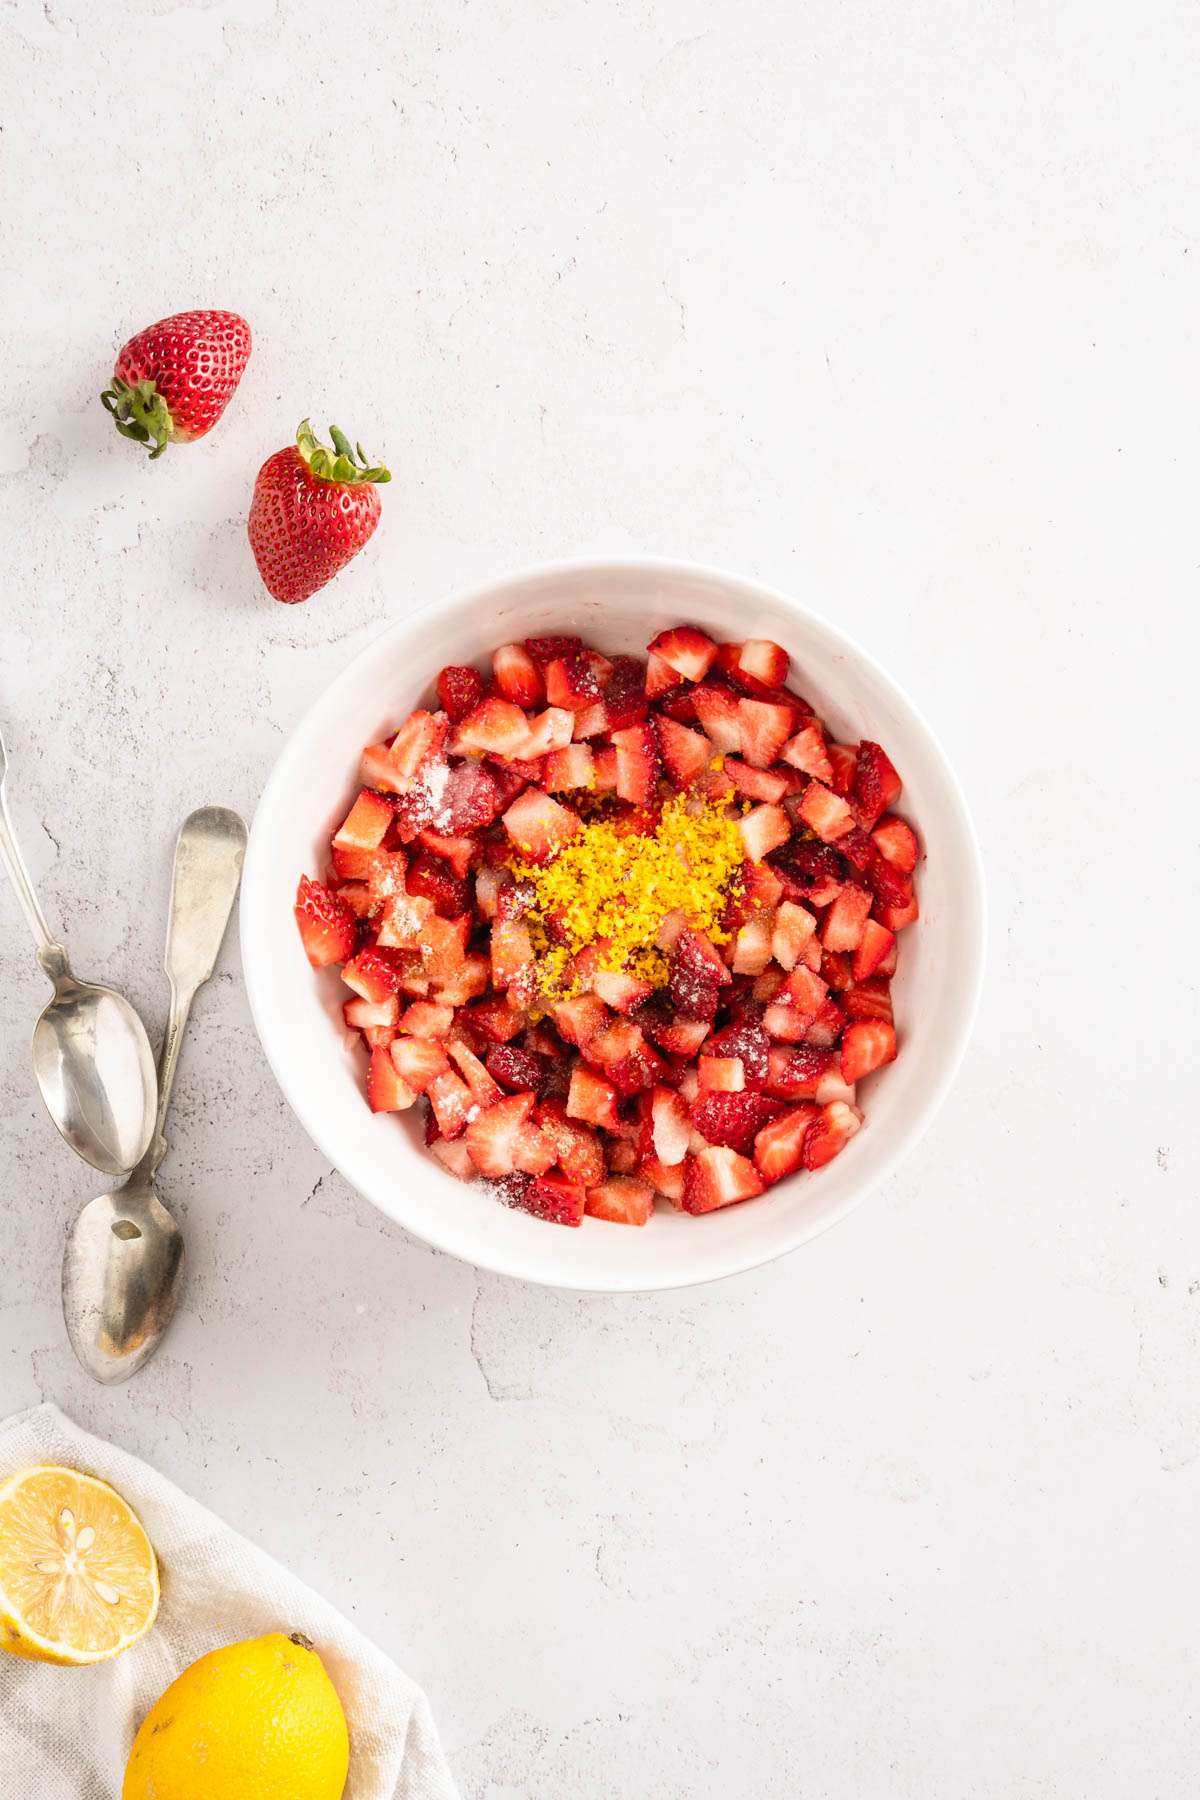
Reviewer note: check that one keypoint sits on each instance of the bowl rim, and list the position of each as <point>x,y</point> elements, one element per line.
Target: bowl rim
<point>496,1259</point>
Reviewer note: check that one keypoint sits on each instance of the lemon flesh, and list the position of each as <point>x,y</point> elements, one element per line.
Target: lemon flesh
<point>259,1720</point>
<point>78,1575</point>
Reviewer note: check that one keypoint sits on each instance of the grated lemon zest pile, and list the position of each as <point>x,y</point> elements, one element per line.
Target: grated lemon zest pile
<point>613,889</point>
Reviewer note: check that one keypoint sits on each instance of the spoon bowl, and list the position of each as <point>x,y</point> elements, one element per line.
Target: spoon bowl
<point>95,1068</point>
<point>121,1280</point>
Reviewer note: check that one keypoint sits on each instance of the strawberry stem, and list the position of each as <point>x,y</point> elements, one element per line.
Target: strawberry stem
<point>140,413</point>
<point>345,462</point>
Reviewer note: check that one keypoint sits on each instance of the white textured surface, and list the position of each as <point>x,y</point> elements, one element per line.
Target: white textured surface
<point>893,307</point>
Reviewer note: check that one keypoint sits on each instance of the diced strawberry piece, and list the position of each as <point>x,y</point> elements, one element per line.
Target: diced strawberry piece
<point>437,881</point>
<point>513,777</point>
<point>450,1099</point>
<point>493,1135</point>
<point>625,693</point>
<point>622,1199</point>
<point>779,1146</point>
<point>496,725</point>
<point>832,1087</point>
<point>895,918</point>
<point>694,950</point>
<point>722,1074</point>
<point>517,675</point>
<point>835,967</point>
<point>870,999</point>
<point>866,1045</point>
<point>419,1062</point>
<point>874,946</point>
<point>459,691</point>
<point>454,1156</point>
<point>670,1126</point>
<point>826,1027</point>
<point>466,983</point>
<point>858,850</point>
<point>470,800</point>
<point>767,985</point>
<point>377,770</point>
<point>796,1006</point>
<point>761,886</point>
<point>829,1133</point>
<point>545,649</point>
<point>678,1036</point>
<point>661,678</point>
<point>896,842</point>
<point>403,920</point>
<point>387,1091</point>
<point>619,990</point>
<point>372,1015</point>
<point>580,1019</point>
<point>514,1069</point>
<point>764,661</point>
<point>792,927</point>
<point>365,825</point>
<point>716,1177</point>
<point>574,767</point>
<point>326,924</point>
<point>749,1043</point>
<point>386,876</point>
<point>540,826</point>
<point>717,709</point>
<point>637,763</point>
<point>732,1119</point>
<point>553,1198</point>
<point>843,759</point>
<point>876,783</point>
<point>763,830</point>
<point>752,947</point>
<point>373,974</point>
<point>591,722</point>
<point>755,784</point>
<point>577,1150</point>
<point>810,872</point>
<point>356,895</point>
<point>592,1098</point>
<point>765,729</point>
<point>571,683</point>
<point>807,752</point>
<point>511,951</point>
<point>488,882</point>
<point>420,737</point>
<point>606,770</point>
<point>685,753</point>
<point>425,1020</point>
<point>533,1152</point>
<point>665,1178</point>
<point>846,919</point>
<point>688,651</point>
<point>795,1072</point>
<point>825,812</point>
<point>496,1019</point>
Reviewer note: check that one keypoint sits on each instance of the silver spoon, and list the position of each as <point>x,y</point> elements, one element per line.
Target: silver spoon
<point>91,1055</point>
<point>124,1254</point>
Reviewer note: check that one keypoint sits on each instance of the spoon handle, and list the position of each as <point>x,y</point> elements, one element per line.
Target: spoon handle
<point>51,955</point>
<point>208,868</point>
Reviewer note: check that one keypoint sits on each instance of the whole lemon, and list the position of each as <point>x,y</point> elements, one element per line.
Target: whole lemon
<point>256,1721</point>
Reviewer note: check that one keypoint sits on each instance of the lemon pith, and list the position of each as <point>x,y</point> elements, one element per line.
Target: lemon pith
<point>78,1575</point>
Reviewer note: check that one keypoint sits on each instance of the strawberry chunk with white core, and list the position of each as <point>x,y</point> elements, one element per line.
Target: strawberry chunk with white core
<point>685,650</point>
<point>372,975</point>
<point>807,752</point>
<point>793,926</point>
<point>377,770</point>
<point>387,1090</point>
<point>420,737</point>
<point>496,726</point>
<point>621,991</point>
<point>592,1098</point>
<point>455,1158</point>
<point>493,1135</point>
<point>370,1015</point>
<point>573,767</point>
<point>540,826</point>
<point>660,677</point>
<point>866,1045</point>
<point>450,1099</point>
<point>829,1133</point>
<point>765,729</point>
<point>669,1126</point>
<point>549,731</point>
<point>754,784</point>
<point>571,683</point>
<point>779,1146</point>
<point>483,1090</point>
<point>622,1199</point>
<point>637,763</point>
<point>764,661</point>
<point>365,825</point>
<point>686,754</point>
<point>425,1020</point>
<point>718,1176</point>
<point>876,944</point>
<point>752,947</point>
<point>764,829</point>
<point>825,812</point>
<point>722,1074</point>
<point>846,919</point>
<point>718,714</point>
<point>419,1062</point>
<point>517,675</point>
<point>896,842</point>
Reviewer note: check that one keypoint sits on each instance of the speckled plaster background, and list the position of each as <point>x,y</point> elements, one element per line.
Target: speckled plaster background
<point>895,308</point>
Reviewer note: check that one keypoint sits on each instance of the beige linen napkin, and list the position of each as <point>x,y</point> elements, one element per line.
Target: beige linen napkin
<point>65,1734</point>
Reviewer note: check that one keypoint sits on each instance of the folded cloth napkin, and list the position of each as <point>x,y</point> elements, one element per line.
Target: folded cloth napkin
<point>65,1734</point>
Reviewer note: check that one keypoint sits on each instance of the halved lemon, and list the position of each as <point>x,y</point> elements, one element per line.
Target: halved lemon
<point>78,1575</point>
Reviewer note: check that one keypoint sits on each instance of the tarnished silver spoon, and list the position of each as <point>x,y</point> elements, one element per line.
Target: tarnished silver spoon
<point>91,1056</point>
<point>124,1255</point>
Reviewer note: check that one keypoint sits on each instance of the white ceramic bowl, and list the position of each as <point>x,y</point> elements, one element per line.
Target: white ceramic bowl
<point>615,605</point>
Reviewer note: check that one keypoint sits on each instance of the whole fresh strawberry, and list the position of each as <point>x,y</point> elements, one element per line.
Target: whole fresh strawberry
<point>313,509</point>
<point>172,382</point>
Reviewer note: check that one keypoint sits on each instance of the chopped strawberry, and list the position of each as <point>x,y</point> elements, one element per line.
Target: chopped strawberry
<point>377,770</point>
<point>895,918</point>
<point>425,1020</point>
<point>374,974</point>
<point>365,825</point>
<point>326,924</point>
<point>677,1036</point>
<point>722,1074</point>
<point>571,683</point>
<point>591,722</point>
<point>826,1027</point>
<point>637,763</point>
<point>765,729</point>
<point>515,1069</point>
<point>544,649</point>
<point>580,1019</point>
<point>419,1062</point>
<point>430,876</point>
<point>795,1071</point>
<point>685,753</point>
<point>621,1199</point>
<point>387,1091</point>
<point>517,675</point>
<point>577,1150</point>
<point>574,767</point>
<point>493,1135</point>
<point>661,678</point>
<point>496,725</point>
<point>810,872</point>
<point>876,783</point>
<point>796,1006</point>
<point>470,800</point>
<point>420,737</point>
<point>843,759</point>
<point>459,691</point>
<point>466,983</point>
<point>554,1198</point>
<point>373,1015</point>
<point>717,711</point>
<point>870,999</point>
<point>732,1119</point>
<point>755,784</point>
<point>835,966</point>
<point>752,947</point>
<point>829,1133</point>
<point>454,1156</point>
<point>606,770</point>
<point>779,1146</point>
<point>540,826</point>
<point>665,1178</point>
<point>496,1019</point>
<point>763,830</point>
<point>670,1126</point>
<point>764,661</point>
<point>846,919</point>
<point>688,651</point>
<point>716,1177</point>
<point>625,693</point>
<point>620,990</point>
<point>592,1098</point>
<point>403,921</point>
<point>825,812</point>
<point>866,1045</point>
<point>748,1041</point>
<point>761,886</point>
<point>450,1099</point>
<point>896,842</point>
<point>858,850</point>
<point>792,928</point>
<point>874,946</point>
